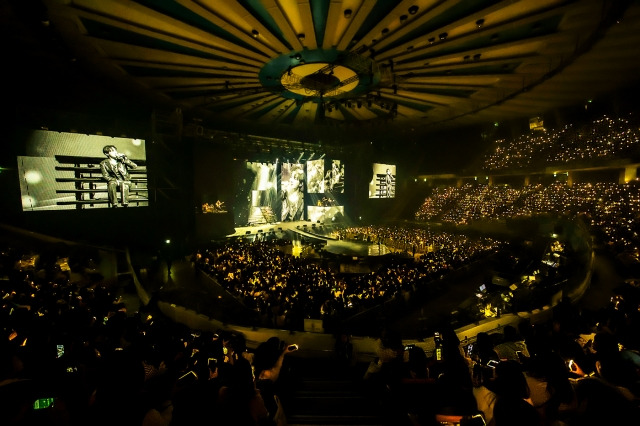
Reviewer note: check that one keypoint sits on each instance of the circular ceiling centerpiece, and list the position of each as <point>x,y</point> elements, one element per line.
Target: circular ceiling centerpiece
<point>319,75</point>
<point>320,80</point>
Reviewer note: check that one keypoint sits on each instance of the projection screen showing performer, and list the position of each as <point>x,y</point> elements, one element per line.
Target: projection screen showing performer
<point>335,177</point>
<point>315,176</point>
<point>64,171</point>
<point>292,192</point>
<point>383,181</point>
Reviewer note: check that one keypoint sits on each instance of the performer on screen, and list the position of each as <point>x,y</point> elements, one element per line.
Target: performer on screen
<point>293,197</point>
<point>334,175</point>
<point>115,170</point>
<point>390,184</point>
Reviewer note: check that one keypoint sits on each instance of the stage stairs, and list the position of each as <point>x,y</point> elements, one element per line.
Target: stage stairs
<point>262,215</point>
<point>323,394</point>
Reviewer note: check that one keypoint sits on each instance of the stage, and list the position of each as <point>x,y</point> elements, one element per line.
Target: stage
<point>314,231</point>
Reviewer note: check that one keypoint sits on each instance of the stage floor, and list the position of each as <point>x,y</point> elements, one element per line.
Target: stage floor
<point>315,231</point>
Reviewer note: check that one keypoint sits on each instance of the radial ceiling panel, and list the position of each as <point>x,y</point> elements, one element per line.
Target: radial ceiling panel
<point>433,64</point>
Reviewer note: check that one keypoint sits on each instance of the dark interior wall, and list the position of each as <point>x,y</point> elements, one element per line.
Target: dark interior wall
<point>214,173</point>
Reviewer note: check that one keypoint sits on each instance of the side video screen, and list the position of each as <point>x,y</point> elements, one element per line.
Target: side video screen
<point>383,181</point>
<point>65,171</point>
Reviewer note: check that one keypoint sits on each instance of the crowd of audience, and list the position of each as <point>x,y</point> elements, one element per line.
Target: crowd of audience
<point>581,368</point>
<point>73,353</point>
<point>456,248</point>
<point>610,208</point>
<point>286,289</point>
<point>604,138</point>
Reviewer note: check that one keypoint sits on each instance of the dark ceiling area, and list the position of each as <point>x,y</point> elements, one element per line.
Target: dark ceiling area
<point>335,70</point>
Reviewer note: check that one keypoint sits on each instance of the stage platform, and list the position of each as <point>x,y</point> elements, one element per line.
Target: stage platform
<point>315,231</point>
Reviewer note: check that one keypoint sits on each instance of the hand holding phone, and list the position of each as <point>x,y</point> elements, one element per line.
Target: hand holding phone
<point>492,363</point>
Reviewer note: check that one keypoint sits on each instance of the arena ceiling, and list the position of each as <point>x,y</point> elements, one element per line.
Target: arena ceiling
<point>420,64</point>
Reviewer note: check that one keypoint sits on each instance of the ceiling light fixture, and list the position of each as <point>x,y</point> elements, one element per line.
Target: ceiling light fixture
<point>347,13</point>
<point>413,10</point>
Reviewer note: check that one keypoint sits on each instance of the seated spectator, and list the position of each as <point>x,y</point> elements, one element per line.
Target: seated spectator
<point>600,403</point>
<point>416,365</point>
<point>513,405</point>
<point>239,401</point>
<point>551,391</point>
<point>512,347</point>
<point>612,367</point>
<point>483,349</point>
<point>157,399</point>
<point>453,378</point>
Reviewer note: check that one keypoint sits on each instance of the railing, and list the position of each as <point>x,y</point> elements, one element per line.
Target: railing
<point>81,177</point>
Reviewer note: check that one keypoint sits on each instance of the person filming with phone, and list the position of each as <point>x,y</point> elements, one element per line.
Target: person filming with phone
<point>268,361</point>
<point>115,170</point>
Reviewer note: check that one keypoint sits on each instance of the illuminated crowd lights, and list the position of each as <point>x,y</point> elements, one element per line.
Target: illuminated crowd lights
<point>610,208</point>
<point>604,138</point>
<point>266,280</point>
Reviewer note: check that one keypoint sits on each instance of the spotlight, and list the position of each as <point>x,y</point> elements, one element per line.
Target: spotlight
<point>403,18</point>
<point>443,36</point>
<point>476,57</point>
<point>297,56</point>
<point>301,36</point>
<point>480,22</point>
<point>385,30</point>
<point>347,13</point>
<point>255,33</point>
<point>413,10</point>
<point>431,40</point>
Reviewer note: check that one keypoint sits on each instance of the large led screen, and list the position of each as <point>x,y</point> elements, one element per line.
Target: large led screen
<point>321,214</point>
<point>65,171</point>
<point>292,178</point>
<point>383,181</point>
<point>334,178</point>
<point>257,199</point>
<point>321,178</point>
<point>315,176</point>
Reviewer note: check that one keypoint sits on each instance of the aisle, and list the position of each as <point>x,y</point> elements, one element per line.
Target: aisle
<point>318,392</point>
